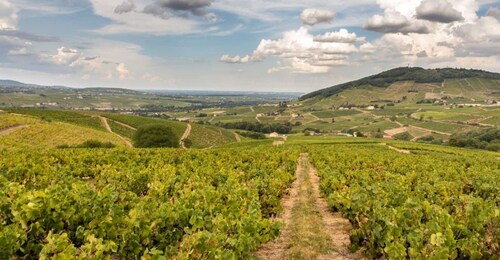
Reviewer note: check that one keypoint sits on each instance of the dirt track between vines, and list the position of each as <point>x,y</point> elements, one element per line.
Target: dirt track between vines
<point>312,230</point>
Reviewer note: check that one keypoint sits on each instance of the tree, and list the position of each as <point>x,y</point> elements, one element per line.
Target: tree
<point>150,136</point>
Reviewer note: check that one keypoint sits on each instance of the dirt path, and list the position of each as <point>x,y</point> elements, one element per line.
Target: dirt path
<point>237,137</point>
<point>104,121</point>
<point>10,129</point>
<point>125,125</point>
<point>185,136</point>
<point>396,149</point>
<point>258,120</point>
<point>251,108</point>
<point>312,231</point>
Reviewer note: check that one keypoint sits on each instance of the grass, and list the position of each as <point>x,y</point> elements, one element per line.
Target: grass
<point>382,125</point>
<point>492,121</point>
<point>442,127</point>
<point>338,113</point>
<point>307,238</point>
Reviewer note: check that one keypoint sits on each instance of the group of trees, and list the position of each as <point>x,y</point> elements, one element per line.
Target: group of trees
<point>258,127</point>
<point>488,138</point>
<point>156,135</point>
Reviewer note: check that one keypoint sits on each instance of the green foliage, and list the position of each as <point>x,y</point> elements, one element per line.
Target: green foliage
<point>150,136</point>
<point>488,138</point>
<point>88,144</point>
<point>427,205</point>
<point>258,127</point>
<point>252,135</point>
<point>430,139</point>
<point>156,203</point>
<point>405,136</point>
<point>95,144</point>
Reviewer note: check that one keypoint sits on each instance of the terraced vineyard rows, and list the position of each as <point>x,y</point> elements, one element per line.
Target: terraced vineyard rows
<point>130,203</point>
<point>422,206</point>
<point>51,135</point>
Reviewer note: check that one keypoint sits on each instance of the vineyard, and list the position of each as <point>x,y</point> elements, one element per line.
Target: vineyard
<point>424,205</point>
<point>131,203</point>
<point>53,134</point>
<point>403,199</point>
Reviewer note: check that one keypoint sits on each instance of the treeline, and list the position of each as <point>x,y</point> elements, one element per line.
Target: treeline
<point>258,127</point>
<point>419,75</point>
<point>488,139</point>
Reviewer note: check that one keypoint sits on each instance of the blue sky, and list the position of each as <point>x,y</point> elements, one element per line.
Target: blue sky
<point>281,45</point>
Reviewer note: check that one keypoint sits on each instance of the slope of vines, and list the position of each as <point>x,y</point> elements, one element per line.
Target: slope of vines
<point>424,206</point>
<point>115,203</point>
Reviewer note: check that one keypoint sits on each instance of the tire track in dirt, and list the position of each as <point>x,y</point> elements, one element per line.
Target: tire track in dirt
<point>104,121</point>
<point>182,141</point>
<point>311,230</point>
<point>11,128</point>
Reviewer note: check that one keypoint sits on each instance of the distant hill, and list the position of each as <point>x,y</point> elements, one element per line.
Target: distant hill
<point>17,84</point>
<point>416,74</point>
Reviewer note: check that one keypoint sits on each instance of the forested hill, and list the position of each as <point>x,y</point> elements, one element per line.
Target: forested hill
<point>419,75</point>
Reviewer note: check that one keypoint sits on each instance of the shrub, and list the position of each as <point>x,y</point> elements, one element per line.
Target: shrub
<point>95,144</point>
<point>151,136</point>
<point>403,136</point>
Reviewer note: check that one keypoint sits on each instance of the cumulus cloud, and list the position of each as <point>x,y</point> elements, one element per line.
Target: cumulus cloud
<point>494,12</point>
<point>235,59</point>
<point>342,36</point>
<point>440,11</point>
<point>122,70</point>
<point>394,22</point>
<point>8,15</point>
<point>301,53</point>
<point>64,56</point>
<point>125,7</point>
<point>313,16</point>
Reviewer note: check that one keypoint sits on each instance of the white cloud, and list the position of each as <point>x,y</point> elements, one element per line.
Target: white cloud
<point>313,16</point>
<point>64,56</point>
<point>440,11</point>
<point>301,53</point>
<point>122,70</point>
<point>342,36</point>
<point>235,59</point>
<point>19,52</point>
<point>394,22</point>
<point>494,12</point>
<point>8,15</point>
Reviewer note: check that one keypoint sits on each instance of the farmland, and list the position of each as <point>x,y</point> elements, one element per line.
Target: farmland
<point>221,202</point>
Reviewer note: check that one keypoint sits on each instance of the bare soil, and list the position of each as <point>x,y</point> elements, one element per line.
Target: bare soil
<point>185,136</point>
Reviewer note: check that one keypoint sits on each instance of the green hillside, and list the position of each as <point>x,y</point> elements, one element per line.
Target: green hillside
<point>51,128</point>
<point>418,75</point>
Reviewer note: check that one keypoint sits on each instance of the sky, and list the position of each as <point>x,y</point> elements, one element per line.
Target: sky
<point>247,45</point>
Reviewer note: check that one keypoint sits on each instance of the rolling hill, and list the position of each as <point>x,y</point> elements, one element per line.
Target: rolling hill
<point>416,75</point>
<point>25,128</point>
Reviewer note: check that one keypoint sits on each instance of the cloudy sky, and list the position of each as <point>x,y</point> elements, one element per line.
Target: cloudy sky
<point>261,45</point>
